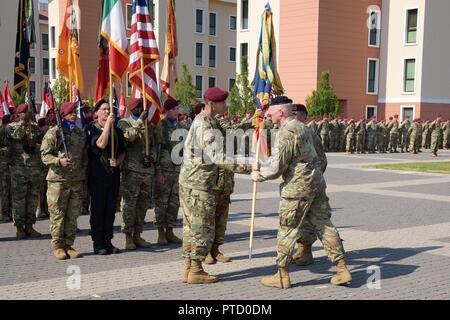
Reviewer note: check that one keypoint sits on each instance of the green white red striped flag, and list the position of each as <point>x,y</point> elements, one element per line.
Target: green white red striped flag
<point>113,30</point>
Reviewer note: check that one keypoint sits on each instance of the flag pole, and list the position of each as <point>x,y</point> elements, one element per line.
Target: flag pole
<point>111,110</point>
<point>147,151</point>
<point>252,220</point>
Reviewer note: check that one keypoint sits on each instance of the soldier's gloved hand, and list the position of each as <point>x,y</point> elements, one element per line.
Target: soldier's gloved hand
<point>144,115</point>
<point>255,175</point>
<point>160,177</point>
<point>65,163</point>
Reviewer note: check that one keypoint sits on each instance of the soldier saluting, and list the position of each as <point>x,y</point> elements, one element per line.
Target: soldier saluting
<point>64,151</point>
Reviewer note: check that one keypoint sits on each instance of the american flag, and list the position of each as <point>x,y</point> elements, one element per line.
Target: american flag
<point>143,44</point>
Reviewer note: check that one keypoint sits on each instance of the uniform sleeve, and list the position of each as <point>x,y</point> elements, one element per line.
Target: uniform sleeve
<point>49,148</point>
<point>280,160</point>
<point>16,132</point>
<point>121,148</point>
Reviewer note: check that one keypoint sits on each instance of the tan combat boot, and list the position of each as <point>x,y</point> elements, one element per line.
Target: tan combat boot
<point>303,256</point>
<point>219,256</point>
<point>139,242</point>
<point>171,237</point>
<point>129,243</point>
<point>20,233</point>
<point>72,253</point>
<point>60,253</point>
<point>162,236</point>
<point>280,280</point>
<point>343,276</point>
<point>187,268</point>
<point>31,232</point>
<point>198,275</point>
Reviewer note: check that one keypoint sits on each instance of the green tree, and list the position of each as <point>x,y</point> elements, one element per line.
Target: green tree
<point>61,90</point>
<point>185,91</point>
<point>324,100</point>
<point>241,96</point>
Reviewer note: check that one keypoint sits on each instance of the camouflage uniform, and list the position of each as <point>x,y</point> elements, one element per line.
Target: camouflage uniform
<point>360,136</point>
<point>65,185</point>
<point>302,193</point>
<point>137,179</point>
<point>372,131</point>
<point>393,135</point>
<point>404,135</point>
<point>5,179</point>
<point>350,137</point>
<point>167,203</point>
<point>342,126</point>
<point>436,136</point>
<point>446,138</point>
<point>334,135</point>
<point>324,131</point>
<point>382,137</point>
<point>414,141</point>
<point>26,168</point>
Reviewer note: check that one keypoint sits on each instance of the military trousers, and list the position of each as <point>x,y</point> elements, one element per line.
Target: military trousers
<point>167,200</point>
<point>136,191</point>
<point>65,205</point>
<point>199,208</point>
<point>223,201</point>
<point>25,183</point>
<point>317,223</point>
<point>5,190</point>
<point>435,142</point>
<point>42,202</point>
<point>325,141</point>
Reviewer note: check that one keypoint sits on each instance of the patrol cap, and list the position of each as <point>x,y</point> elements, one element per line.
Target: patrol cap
<point>216,94</point>
<point>134,103</point>
<point>67,108</point>
<point>22,108</point>
<point>170,104</point>
<point>99,104</point>
<point>280,100</point>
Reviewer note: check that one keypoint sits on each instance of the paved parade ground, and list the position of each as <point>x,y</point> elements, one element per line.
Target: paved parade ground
<point>395,226</point>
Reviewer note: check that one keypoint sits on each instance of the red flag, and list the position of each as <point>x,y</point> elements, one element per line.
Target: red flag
<point>102,70</point>
<point>122,107</point>
<point>8,97</point>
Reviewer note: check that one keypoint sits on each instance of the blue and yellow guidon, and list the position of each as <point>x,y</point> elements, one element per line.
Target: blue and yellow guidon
<point>267,80</point>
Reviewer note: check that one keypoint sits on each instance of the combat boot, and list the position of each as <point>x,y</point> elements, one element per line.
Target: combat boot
<point>343,276</point>
<point>219,256</point>
<point>171,237</point>
<point>129,243</point>
<point>31,232</point>
<point>198,275</point>
<point>280,280</point>
<point>210,259</point>
<point>187,268</point>
<point>162,236</point>
<point>59,253</point>
<point>20,233</point>
<point>72,253</point>
<point>303,256</point>
<point>139,242</point>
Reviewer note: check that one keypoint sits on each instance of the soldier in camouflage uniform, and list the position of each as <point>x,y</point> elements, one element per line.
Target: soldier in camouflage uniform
<point>66,177</point>
<point>343,126</point>
<point>372,129</point>
<point>324,130</point>
<point>198,177</point>
<point>413,133</point>
<point>5,179</point>
<point>303,196</point>
<point>334,135</point>
<point>382,137</point>
<point>360,135</point>
<point>404,134</point>
<point>167,202</point>
<point>436,135</point>
<point>350,136</point>
<point>138,174</point>
<point>446,138</point>
<point>24,138</point>
<point>393,134</point>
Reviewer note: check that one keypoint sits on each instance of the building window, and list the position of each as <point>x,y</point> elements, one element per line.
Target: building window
<point>199,86</point>
<point>411,26</point>
<point>129,12</point>
<point>32,65</point>
<point>53,66</point>
<point>211,82</point>
<point>371,111</point>
<point>53,37</point>
<point>407,111</point>
<point>33,88</point>
<point>212,24</point>
<point>231,83</point>
<point>244,12</point>
<point>45,66</point>
<point>372,76</point>
<point>212,56</point>
<point>244,49</point>
<point>232,23</point>
<point>199,20</point>
<point>410,75</point>
<point>129,86</point>
<point>374,30</point>
<point>44,40</point>
<point>199,54</point>
<point>232,55</point>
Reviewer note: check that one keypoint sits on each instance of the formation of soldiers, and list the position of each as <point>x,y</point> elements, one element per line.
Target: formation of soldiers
<point>339,134</point>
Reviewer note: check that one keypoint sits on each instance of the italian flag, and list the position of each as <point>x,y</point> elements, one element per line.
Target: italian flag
<point>113,30</point>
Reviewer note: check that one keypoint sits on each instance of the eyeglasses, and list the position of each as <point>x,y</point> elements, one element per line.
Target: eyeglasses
<point>104,111</point>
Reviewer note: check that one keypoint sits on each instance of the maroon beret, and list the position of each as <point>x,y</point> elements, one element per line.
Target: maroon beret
<point>216,95</point>
<point>134,103</point>
<point>170,104</point>
<point>198,108</point>
<point>42,122</point>
<point>22,108</point>
<point>67,108</point>
<point>300,108</point>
